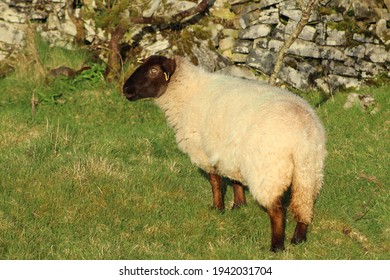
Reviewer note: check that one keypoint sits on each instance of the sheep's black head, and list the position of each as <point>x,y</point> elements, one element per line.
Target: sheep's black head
<point>150,79</point>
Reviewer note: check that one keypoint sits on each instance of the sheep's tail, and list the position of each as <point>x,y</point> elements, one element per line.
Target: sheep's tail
<point>307,176</point>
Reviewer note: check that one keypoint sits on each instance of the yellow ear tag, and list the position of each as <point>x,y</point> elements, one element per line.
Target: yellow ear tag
<point>140,61</point>
<point>166,76</point>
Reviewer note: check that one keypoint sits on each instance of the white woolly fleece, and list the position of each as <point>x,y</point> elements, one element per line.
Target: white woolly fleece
<point>263,136</point>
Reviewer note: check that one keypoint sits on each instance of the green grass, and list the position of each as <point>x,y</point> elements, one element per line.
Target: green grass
<point>97,177</point>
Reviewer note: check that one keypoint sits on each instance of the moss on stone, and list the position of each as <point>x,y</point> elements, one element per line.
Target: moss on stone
<point>326,11</point>
<point>381,79</point>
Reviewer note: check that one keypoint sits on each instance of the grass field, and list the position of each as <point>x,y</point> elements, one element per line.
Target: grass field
<point>92,176</point>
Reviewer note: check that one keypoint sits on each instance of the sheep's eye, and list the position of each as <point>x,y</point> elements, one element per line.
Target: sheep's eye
<point>153,71</point>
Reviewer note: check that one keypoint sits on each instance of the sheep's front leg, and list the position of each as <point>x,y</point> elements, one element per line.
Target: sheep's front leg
<point>216,187</point>
<point>276,214</point>
<point>239,195</point>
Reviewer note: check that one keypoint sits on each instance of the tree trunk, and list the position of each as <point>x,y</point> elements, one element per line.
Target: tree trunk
<point>282,52</point>
<point>114,65</point>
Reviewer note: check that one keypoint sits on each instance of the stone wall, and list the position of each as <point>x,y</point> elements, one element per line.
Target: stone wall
<point>345,44</point>
<point>51,19</point>
<point>12,24</point>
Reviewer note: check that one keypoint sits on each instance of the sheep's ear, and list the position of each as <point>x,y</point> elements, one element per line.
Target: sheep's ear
<point>169,67</point>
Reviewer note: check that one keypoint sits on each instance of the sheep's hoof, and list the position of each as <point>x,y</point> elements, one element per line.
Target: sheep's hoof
<point>221,210</point>
<point>277,248</point>
<point>297,240</point>
<point>238,205</point>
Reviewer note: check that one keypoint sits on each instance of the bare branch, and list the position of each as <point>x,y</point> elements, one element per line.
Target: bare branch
<point>200,8</point>
<point>282,52</point>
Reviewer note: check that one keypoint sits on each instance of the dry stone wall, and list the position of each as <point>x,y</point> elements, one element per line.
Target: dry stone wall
<point>345,43</point>
<point>52,20</point>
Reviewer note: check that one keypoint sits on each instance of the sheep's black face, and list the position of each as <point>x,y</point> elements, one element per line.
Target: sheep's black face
<point>150,79</point>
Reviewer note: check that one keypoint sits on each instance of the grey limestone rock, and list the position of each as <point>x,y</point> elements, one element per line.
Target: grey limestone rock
<point>255,31</point>
<point>376,53</point>
<point>305,49</point>
<point>242,46</point>
<point>335,37</point>
<point>263,60</point>
<point>294,77</point>
<point>357,51</point>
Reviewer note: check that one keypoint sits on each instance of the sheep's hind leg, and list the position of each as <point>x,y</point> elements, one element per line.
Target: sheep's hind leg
<point>216,187</point>
<point>239,195</point>
<point>276,214</point>
<point>299,233</point>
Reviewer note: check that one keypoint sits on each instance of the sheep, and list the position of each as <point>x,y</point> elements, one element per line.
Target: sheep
<point>257,135</point>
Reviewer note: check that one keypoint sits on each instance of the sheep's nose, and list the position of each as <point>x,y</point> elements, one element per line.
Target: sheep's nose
<point>125,89</point>
<point>130,95</point>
